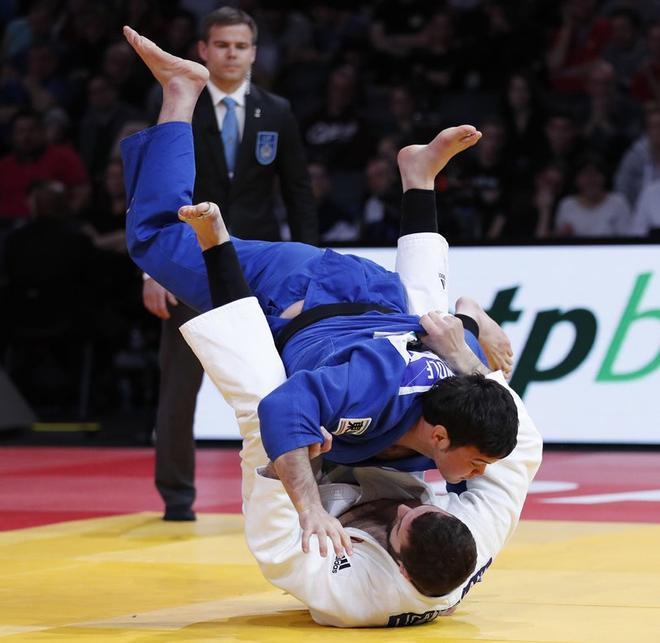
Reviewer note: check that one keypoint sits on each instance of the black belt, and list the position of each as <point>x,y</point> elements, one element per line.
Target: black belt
<point>313,315</point>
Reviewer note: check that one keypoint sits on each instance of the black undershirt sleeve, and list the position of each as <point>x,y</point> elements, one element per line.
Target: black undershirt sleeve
<point>418,212</point>
<point>226,280</point>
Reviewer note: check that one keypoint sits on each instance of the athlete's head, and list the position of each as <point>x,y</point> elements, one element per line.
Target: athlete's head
<point>472,422</point>
<point>434,549</point>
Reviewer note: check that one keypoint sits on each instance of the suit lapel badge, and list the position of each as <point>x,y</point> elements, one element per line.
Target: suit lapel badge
<point>257,112</point>
<point>266,148</point>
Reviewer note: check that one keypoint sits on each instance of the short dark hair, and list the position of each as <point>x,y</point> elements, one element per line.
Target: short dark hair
<point>440,553</point>
<point>475,411</point>
<point>226,16</point>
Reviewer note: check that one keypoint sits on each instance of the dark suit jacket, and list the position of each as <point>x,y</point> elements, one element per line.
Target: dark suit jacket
<point>246,201</point>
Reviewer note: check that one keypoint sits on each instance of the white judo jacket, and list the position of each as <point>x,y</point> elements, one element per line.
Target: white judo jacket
<point>236,349</point>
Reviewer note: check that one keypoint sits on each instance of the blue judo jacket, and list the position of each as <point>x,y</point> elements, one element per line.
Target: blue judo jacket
<point>353,375</point>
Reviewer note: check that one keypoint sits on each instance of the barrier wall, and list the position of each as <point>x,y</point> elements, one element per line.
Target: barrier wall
<point>584,322</point>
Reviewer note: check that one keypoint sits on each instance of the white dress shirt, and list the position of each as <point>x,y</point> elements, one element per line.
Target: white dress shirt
<point>220,110</point>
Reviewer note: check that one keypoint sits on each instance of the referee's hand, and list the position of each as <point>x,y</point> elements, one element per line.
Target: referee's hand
<point>156,299</point>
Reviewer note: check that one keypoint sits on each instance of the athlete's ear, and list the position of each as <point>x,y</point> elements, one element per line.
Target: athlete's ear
<point>440,437</point>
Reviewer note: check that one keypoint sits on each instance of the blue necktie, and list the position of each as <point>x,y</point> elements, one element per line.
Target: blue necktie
<point>230,134</point>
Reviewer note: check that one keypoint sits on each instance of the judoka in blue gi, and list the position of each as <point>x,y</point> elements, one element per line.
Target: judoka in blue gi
<point>342,321</point>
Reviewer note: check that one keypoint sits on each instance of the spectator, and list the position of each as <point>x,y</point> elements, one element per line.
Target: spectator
<point>13,98</point>
<point>404,121</point>
<point>530,210</point>
<point>22,32</point>
<point>522,116</point>
<point>437,62</point>
<point>31,160</point>
<point>51,268</point>
<point>380,215</point>
<point>562,145</point>
<point>180,34</point>
<point>121,70</point>
<point>645,84</point>
<point>483,180</point>
<point>579,41</point>
<point>610,121</point>
<point>626,49</point>
<point>86,36</point>
<point>641,163</point>
<point>104,118</point>
<point>106,217</point>
<point>335,222</point>
<point>646,220</point>
<point>397,27</point>
<point>593,211</point>
<point>337,135</point>
<point>45,86</point>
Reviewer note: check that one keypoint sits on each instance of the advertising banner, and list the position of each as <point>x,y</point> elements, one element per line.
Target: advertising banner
<point>584,322</point>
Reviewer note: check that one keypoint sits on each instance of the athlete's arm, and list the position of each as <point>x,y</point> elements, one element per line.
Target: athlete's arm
<point>446,338</point>
<point>295,472</point>
<point>491,503</point>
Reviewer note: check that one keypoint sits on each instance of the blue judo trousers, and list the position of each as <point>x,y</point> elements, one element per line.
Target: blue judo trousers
<point>353,375</point>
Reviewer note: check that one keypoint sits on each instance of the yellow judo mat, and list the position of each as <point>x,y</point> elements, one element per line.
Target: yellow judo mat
<point>135,578</point>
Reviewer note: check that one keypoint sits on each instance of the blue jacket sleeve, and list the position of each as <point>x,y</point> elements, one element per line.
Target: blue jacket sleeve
<point>362,387</point>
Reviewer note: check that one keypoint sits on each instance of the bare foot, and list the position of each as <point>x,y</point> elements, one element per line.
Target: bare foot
<point>419,164</point>
<point>206,220</point>
<point>182,80</point>
<point>492,338</point>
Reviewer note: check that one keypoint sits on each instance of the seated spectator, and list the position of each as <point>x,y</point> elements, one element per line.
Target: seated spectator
<point>31,159</point>
<point>13,98</point>
<point>403,120</point>
<point>335,222</point>
<point>640,165</point>
<point>337,135</point>
<point>104,118</point>
<point>579,41</point>
<point>24,31</point>
<point>437,62</point>
<point>645,84</point>
<point>626,50</point>
<point>121,70</point>
<point>380,214</point>
<point>646,219</point>
<point>530,209</point>
<point>396,29</point>
<point>482,178</point>
<point>85,36</point>
<point>593,211</point>
<point>181,34</point>
<point>106,217</point>
<point>50,297</point>
<point>562,145</point>
<point>522,116</point>
<point>46,87</point>
<point>610,121</point>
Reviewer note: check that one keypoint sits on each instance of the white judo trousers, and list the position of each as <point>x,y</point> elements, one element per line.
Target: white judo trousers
<point>368,589</point>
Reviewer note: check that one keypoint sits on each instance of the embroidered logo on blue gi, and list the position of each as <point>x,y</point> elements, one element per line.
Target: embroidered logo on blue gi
<point>341,562</point>
<point>266,149</point>
<point>352,426</point>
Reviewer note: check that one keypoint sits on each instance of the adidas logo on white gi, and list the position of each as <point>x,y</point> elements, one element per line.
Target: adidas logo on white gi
<point>352,426</point>
<point>341,562</point>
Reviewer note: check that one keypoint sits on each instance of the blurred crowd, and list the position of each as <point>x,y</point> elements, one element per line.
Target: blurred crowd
<point>566,93</point>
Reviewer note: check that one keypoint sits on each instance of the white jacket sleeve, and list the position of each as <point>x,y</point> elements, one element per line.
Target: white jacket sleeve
<point>422,262</point>
<point>491,504</point>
